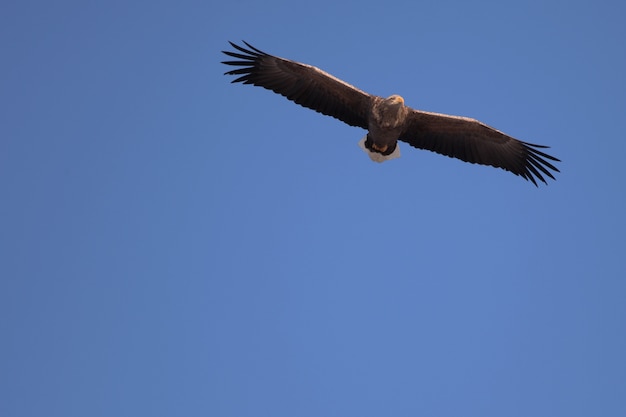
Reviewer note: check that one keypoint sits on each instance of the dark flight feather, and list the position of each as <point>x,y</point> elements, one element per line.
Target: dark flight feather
<point>472,141</point>
<point>304,84</point>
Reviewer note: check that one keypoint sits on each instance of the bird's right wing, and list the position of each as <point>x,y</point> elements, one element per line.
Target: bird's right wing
<point>303,84</point>
<point>472,141</point>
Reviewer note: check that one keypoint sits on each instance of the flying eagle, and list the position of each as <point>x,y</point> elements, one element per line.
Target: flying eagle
<point>388,120</point>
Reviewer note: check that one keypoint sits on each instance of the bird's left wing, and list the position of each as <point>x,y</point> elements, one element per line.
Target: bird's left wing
<point>303,84</point>
<point>472,141</point>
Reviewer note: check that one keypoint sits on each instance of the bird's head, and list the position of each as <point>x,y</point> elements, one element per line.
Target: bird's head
<point>390,112</point>
<point>395,100</point>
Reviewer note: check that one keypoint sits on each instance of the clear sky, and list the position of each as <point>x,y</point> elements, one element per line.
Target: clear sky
<point>175,245</point>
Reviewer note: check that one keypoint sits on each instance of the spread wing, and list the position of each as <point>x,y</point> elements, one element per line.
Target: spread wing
<point>303,84</point>
<point>472,141</point>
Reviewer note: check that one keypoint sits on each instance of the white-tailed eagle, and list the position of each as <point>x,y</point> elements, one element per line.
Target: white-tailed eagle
<point>388,120</point>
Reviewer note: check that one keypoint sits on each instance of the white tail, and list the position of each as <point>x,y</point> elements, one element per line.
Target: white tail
<point>379,157</point>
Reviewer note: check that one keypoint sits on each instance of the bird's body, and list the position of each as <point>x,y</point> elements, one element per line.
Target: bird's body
<point>386,123</point>
<point>388,120</point>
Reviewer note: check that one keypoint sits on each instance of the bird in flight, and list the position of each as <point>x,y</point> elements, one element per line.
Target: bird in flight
<point>389,120</point>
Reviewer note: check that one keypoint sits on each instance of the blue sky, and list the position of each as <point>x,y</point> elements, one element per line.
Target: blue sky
<point>175,245</point>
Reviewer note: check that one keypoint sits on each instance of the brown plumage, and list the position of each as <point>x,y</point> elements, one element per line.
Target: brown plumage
<point>388,119</point>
